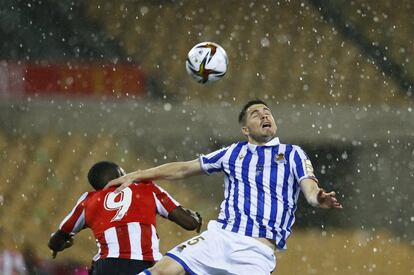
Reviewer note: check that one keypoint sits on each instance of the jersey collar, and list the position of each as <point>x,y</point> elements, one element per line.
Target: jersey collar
<point>274,142</point>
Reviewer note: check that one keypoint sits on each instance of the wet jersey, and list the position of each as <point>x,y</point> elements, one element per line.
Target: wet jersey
<point>124,224</point>
<point>261,187</point>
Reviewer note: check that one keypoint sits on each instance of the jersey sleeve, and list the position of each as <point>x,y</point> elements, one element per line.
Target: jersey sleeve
<point>165,202</point>
<point>212,162</point>
<point>303,168</point>
<point>75,220</point>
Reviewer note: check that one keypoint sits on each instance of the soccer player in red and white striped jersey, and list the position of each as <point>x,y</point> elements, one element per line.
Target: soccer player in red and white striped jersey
<point>124,223</point>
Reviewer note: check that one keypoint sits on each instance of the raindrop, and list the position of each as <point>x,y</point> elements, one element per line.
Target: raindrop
<point>167,107</point>
<point>265,42</point>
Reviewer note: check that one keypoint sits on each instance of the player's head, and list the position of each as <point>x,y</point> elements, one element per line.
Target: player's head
<point>102,172</point>
<point>257,122</point>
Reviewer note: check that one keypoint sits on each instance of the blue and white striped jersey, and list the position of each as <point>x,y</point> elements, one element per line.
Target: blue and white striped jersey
<point>261,187</point>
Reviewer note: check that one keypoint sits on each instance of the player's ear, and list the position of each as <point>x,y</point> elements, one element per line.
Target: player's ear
<point>245,130</point>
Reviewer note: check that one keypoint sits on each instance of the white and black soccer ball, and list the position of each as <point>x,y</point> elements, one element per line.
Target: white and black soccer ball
<point>207,62</point>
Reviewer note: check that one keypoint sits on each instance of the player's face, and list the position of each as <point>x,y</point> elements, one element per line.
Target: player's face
<point>260,126</point>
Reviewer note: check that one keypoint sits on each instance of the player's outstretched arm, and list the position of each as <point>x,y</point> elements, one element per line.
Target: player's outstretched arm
<point>317,197</point>
<point>59,241</point>
<point>186,218</point>
<point>168,171</point>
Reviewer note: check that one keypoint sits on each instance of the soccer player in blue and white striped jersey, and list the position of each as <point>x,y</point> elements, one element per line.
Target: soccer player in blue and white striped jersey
<point>263,178</point>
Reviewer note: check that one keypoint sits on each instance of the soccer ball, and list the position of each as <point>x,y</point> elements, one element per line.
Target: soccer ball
<point>206,62</point>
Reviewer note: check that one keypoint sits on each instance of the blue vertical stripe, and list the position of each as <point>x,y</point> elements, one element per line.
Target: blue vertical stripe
<point>286,184</point>
<point>295,190</point>
<point>260,191</point>
<point>237,218</point>
<point>282,242</point>
<point>232,168</point>
<point>247,187</point>
<point>285,198</point>
<point>299,166</point>
<point>273,194</point>
<point>291,220</point>
<point>232,162</point>
<point>288,150</point>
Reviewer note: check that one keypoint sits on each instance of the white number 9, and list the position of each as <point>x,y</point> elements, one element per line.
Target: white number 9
<point>120,202</point>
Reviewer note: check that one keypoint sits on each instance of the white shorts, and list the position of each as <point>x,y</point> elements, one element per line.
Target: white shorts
<point>218,251</point>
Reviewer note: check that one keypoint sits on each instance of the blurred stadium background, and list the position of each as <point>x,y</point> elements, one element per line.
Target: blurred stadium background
<point>82,81</point>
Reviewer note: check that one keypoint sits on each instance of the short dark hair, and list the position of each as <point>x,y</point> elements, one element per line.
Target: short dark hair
<point>102,172</point>
<point>242,114</point>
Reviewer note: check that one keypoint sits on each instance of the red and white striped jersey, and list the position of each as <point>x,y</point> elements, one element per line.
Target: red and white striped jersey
<point>124,224</point>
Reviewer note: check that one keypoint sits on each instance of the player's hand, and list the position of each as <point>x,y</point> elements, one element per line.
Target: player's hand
<point>328,200</point>
<point>123,182</point>
<point>67,244</point>
<point>197,217</point>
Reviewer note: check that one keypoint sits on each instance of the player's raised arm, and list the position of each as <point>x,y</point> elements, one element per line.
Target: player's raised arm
<point>317,197</point>
<point>168,171</point>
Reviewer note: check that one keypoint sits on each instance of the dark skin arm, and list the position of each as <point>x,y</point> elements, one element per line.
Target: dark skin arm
<point>186,218</point>
<point>59,241</point>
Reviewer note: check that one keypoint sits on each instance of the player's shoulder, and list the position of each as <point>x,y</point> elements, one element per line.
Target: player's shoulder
<point>143,185</point>
<point>298,151</point>
<point>236,144</point>
<point>293,148</point>
<point>96,193</point>
<point>296,147</point>
<point>87,194</point>
<point>240,143</point>
<point>85,197</point>
<point>290,146</point>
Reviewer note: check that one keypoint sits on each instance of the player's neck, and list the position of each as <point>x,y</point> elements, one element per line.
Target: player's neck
<point>260,142</point>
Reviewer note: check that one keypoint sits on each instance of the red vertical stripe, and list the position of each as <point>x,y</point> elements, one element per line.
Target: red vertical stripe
<point>123,241</point>
<point>146,242</point>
